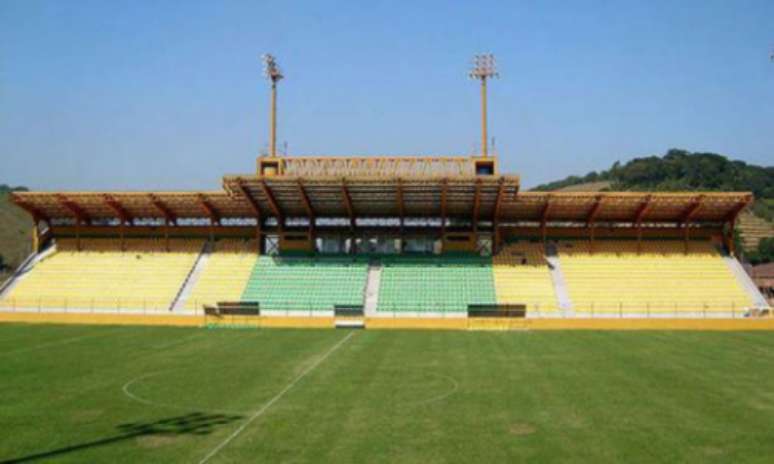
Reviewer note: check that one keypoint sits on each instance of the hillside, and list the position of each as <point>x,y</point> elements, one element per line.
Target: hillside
<point>682,170</point>
<point>15,232</point>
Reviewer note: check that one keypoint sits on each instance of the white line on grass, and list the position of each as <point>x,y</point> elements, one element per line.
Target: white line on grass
<point>442,395</point>
<point>59,342</point>
<point>276,398</point>
<point>131,395</point>
<point>178,340</point>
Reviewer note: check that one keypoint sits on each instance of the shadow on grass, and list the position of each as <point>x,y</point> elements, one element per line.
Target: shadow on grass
<point>195,423</point>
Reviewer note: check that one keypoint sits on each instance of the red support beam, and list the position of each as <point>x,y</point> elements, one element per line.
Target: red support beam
<point>305,200</point>
<point>638,217</point>
<point>688,215</point>
<point>730,219</point>
<point>161,207</point>
<point>251,201</point>
<point>208,208</point>
<point>348,203</point>
<point>691,210</point>
<point>496,215</point>
<point>256,210</point>
<point>401,204</point>
<point>123,215</point>
<point>590,220</point>
<point>642,209</point>
<point>80,215</point>
<point>736,210</point>
<point>476,204</point>
<point>594,212</point>
<point>275,208</point>
<point>546,211</point>
<point>499,201</point>
<point>444,193</point>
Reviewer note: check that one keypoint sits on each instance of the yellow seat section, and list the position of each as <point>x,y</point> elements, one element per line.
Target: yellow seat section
<point>662,278</point>
<point>103,276</point>
<point>225,273</point>
<point>522,276</point>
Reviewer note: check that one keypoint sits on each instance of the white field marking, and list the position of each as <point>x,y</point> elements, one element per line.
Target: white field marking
<point>59,342</point>
<point>442,396</point>
<point>276,398</point>
<point>127,391</point>
<point>176,341</point>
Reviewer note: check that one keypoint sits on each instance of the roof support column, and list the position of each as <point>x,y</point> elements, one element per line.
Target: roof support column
<point>309,211</point>
<point>544,219</point>
<point>348,205</point>
<point>638,216</point>
<point>274,207</point>
<point>78,235</point>
<point>690,212</point>
<point>80,217</point>
<point>497,239</point>
<point>444,193</point>
<point>590,221</point>
<point>258,216</point>
<point>476,206</point>
<point>123,216</point>
<point>401,206</point>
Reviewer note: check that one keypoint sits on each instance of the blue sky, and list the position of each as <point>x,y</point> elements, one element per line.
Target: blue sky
<point>169,95</point>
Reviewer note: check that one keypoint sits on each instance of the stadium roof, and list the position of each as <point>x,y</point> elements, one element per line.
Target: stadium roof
<point>482,197</point>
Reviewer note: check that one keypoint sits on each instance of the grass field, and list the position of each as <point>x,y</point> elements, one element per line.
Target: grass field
<point>155,394</point>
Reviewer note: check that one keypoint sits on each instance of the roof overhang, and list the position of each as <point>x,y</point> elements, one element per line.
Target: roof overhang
<point>463,197</point>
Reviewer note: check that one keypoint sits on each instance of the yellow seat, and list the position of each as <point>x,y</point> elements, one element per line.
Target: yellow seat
<point>225,273</point>
<point>522,276</point>
<point>661,278</point>
<point>103,276</point>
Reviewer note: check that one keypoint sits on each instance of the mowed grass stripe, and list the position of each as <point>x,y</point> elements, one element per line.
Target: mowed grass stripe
<point>534,396</point>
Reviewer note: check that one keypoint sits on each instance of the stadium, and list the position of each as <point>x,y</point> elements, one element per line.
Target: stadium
<point>384,309</point>
<point>413,241</point>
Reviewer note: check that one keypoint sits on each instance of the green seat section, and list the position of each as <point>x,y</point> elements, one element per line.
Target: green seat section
<point>435,283</point>
<point>307,283</point>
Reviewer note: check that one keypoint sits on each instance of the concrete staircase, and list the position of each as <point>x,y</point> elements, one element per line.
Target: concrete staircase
<point>372,289</point>
<point>557,277</point>
<point>192,279</point>
<point>23,269</point>
<point>746,282</point>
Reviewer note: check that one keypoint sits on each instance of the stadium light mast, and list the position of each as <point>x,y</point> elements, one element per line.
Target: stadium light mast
<point>272,72</point>
<point>484,67</point>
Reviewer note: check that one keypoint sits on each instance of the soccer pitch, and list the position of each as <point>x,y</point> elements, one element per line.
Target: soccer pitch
<point>166,395</point>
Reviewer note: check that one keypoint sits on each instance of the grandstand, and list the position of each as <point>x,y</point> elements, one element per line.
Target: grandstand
<point>423,238</point>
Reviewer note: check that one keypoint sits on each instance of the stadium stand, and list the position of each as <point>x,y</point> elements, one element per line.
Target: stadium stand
<point>225,274</point>
<point>272,229</point>
<point>521,276</point>
<point>663,277</point>
<point>435,284</point>
<point>103,276</point>
<point>307,283</point>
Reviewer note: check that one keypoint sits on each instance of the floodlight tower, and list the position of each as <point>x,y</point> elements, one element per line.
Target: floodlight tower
<point>272,71</point>
<point>484,67</point>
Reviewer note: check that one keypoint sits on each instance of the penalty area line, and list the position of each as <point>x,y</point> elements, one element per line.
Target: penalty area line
<point>276,398</point>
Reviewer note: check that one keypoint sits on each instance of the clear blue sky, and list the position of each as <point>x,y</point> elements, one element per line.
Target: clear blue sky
<point>169,95</point>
